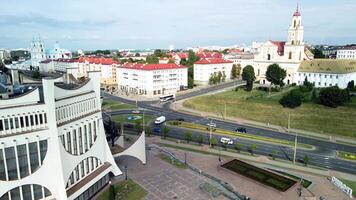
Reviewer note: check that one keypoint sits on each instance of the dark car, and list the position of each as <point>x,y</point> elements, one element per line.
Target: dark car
<point>180,119</point>
<point>157,130</point>
<point>128,125</point>
<point>241,130</point>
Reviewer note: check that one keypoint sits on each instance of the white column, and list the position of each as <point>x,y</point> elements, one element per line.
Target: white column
<point>17,161</point>
<point>77,140</point>
<point>71,134</point>
<point>28,156</point>
<point>39,150</point>
<point>5,164</point>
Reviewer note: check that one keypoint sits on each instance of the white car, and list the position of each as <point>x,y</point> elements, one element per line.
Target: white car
<point>160,120</point>
<point>226,141</point>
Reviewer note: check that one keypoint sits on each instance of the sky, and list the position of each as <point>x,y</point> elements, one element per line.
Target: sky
<point>138,24</point>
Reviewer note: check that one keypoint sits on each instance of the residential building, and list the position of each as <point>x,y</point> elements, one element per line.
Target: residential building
<point>206,67</point>
<point>327,72</point>
<point>240,58</point>
<point>287,54</point>
<point>346,53</point>
<point>151,80</point>
<point>53,144</point>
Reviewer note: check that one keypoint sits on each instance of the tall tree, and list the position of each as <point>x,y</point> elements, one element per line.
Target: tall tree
<point>152,59</point>
<point>188,136</point>
<point>238,70</point>
<point>317,53</point>
<point>275,75</point>
<point>248,74</point>
<point>165,132</point>
<point>234,71</point>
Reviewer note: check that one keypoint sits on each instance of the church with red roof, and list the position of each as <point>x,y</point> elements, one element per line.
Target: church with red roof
<point>288,54</point>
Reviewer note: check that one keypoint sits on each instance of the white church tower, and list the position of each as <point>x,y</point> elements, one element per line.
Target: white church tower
<point>38,53</point>
<point>294,47</point>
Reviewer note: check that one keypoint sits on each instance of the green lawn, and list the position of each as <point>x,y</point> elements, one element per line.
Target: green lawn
<point>115,105</point>
<point>125,190</point>
<point>257,106</point>
<point>346,155</point>
<point>351,184</point>
<point>124,118</point>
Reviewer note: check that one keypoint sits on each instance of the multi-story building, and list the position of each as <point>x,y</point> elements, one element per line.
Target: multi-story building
<point>287,54</point>
<point>346,53</point>
<point>79,67</point>
<point>53,144</point>
<point>327,72</point>
<point>205,68</point>
<point>152,79</point>
<point>240,58</point>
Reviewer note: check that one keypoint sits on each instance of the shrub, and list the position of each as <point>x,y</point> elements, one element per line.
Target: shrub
<point>333,97</point>
<point>292,100</point>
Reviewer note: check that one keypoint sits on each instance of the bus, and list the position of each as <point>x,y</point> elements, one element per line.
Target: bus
<point>166,98</point>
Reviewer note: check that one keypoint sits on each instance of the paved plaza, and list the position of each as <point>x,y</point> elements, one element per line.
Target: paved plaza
<point>163,181</point>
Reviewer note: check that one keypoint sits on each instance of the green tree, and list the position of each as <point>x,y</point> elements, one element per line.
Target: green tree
<point>138,126</point>
<point>159,53</point>
<point>317,53</point>
<point>200,139</point>
<point>152,59</point>
<point>219,77</point>
<point>238,147</point>
<point>224,146</point>
<point>192,58</point>
<point>333,97</point>
<point>165,132</point>
<point>306,160</point>
<point>115,57</point>
<point>253,148</point>
<point>190,82</point>
<point>233,71</point>
<point>274,154</point>
<point>292,100</point>
<point>188,136</point>
<point>351,85</point>
<point>148,131</point>
<point>223,77</point>
<point>238,70</point>
<point>213,142</point>
<point>275,75</point>
<point>248,74</point>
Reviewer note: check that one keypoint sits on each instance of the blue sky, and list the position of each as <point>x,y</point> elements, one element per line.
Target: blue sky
<point>112,24</point>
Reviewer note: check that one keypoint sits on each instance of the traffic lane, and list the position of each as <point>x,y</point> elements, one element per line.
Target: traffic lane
<point>285,153</point>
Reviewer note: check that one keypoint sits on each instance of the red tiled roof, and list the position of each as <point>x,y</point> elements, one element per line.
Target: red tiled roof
<point>206,61</point>
<point>180,55</point>
<point>141,66</point>
<point>98,60</point>
<point>209,55</point>
<point>280,46</point>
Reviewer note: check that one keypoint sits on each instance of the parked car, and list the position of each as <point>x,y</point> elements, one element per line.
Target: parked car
<point>128,125</point>
<point>241,130</point>
<point>136,111</point>
<point>157,130</point>
<point>226,141</point>
<point>160,120</point>
<point>180,119</point>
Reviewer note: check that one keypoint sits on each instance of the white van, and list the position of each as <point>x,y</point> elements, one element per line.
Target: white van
<point>226,141</point>
<point>160,120</point>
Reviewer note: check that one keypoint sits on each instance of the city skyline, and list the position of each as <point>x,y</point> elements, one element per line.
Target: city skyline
<point>159,23</point>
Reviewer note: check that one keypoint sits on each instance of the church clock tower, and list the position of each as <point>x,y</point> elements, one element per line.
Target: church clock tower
<point>294,48</point>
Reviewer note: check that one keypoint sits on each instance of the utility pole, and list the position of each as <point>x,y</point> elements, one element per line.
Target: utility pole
<point>210,125</point>
<point>143,120</point>
<point>295,147</point>
<point>288,122</point>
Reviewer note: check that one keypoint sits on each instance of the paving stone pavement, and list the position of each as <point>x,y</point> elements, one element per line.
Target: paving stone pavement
<point>163,181</point>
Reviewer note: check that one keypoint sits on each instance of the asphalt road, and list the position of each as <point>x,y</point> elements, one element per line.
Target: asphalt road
<point>322,156</point>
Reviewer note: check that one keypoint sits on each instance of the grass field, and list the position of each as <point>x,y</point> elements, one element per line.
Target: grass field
<point>124,118</point>
<point>115,105</point>
<point>346,155</point>
<point>125,190</point>
<point>257,106</point>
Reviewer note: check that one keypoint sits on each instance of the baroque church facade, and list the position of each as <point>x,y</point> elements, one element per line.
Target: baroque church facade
<point>288,54</point>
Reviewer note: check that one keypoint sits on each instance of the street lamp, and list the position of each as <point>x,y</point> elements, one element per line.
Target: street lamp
<point>211,125</point>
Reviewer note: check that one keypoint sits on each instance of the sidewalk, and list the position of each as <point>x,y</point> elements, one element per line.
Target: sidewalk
<point>178,106</point>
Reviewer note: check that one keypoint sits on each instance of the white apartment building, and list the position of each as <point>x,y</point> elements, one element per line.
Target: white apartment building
<point>204,68</point>
<point>346,53</point>
<point>53,144</point>
<point>327,72</point>
<point>152,79</point>
<point>242,58</point>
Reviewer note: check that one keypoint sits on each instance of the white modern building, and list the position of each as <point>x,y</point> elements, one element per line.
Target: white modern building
<point>346,53</point>
<point>152,79</point>
<point>327,72</point>
<point>53,144</point>
<point>205,68</point>
<point>287,54</point>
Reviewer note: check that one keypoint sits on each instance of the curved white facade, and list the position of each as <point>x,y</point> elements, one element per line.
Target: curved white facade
<point>54,146</point>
